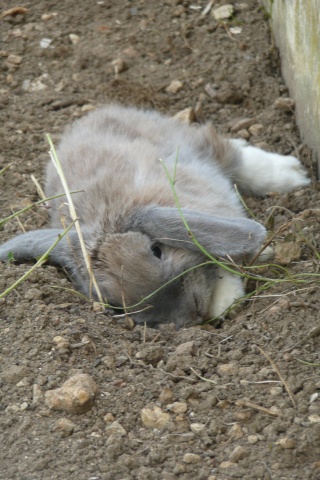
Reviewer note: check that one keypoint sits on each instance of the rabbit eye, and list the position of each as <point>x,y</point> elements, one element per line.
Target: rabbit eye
<point>156,250</point>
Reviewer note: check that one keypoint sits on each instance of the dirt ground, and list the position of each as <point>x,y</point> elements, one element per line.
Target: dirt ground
<point>241,401</point>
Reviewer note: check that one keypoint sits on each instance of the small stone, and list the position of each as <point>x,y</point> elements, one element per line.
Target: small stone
<point>227,369</point>
<point>223,404</point>
<point>37,394</point>
<point>155,418</point>
<point>227,464</point>
<point>314,418</point>
<point>223,13</point>
<point>186,348</point>
<point>244,134</point>
<point>150,354</point>
<point>98,307</point>
<point>286,443</point>
<point>116,429</point>
<point>235,431</point>
<point>191,458</point>
<point>61,343</point>
<point>166,395</point>
<point>287,252</point>
<point>24,382</point>
<point>256,129</point>
<point>13,408</point>
<point>174,87</point>
<point>119,65</point>
<point>241,124</point>
<point>74,39</point>
<point>238,454</point>
<point>253,439</point>
<point>76,395</point>
<point>24,406</point>
<point>14,59</point>
<point>242,416</point>
<point>48,16</point>
<point>14,374</point>
<point>186,116</point>
<point>108,418</point>
<point>276,391</point>
<point>45,42</point>
<point>285,103</point>
<point>228,93</point>
<point>65,426</point>
<point>178,407</point>
<point>197,428</point>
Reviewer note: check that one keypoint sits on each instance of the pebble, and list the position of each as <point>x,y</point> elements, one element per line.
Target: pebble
<point>242,416</point>
<point>61,343</point>
<point>14,374</point>
<point>284,103</point>
<point>119,65</point>
<point>253,439</point>
<point>174,87</point>
<point>150,354</point>
<point>197,428</point>
<point>74,39</point>
<point>241,124</point>
<point>154,418</point>
<point>227,464</point>
<point>75,396</point>
<point>186,348</point>
<point>178,407</point>
<point>238,454</point>
<point>115,428</point>
<point>235,431</point>
<point>276,391</point>
<point>228,93</point>
<point>227,369</point>
<point>244,134</point>
<point>286,443</point>
<point>256,129</point>
<point>166,395</point>
<point>191,458</point>
<point>65,426</point>
<point>45,42</point>
<point>223,13</point>
<point>108,418</point>
<point>314,418</point>
<point>37,394</point>
<point>186,116</point>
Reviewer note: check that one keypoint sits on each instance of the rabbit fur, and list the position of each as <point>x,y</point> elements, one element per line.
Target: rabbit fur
<point>131,225</point>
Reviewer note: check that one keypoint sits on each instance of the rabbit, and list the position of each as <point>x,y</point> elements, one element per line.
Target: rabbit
<point>131,224</point>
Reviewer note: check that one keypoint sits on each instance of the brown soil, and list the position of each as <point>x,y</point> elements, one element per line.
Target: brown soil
<point>266,353</point>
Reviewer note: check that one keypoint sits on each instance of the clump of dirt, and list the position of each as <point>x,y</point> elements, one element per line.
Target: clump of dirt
<point>238,402</point>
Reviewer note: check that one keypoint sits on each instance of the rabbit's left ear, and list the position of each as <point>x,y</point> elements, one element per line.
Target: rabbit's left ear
<point>32,245</point>
<point>220,236</point>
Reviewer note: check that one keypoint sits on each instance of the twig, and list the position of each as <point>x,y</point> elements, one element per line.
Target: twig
<point>274,366</point>
<point>254,406</point>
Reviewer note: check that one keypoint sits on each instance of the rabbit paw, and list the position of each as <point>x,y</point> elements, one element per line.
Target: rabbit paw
<point>228,288</point>
<point>262,172</point>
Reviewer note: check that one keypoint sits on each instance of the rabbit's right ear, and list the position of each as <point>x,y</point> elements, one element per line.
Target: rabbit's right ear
<point>32,245</point>
<point>220,236</point>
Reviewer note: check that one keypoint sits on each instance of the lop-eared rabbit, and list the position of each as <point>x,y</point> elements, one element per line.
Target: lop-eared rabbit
<point>132,228</point>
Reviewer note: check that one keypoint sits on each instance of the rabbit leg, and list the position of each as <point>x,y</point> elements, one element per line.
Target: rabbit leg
<point>229,287</point>
<point>260,172</point>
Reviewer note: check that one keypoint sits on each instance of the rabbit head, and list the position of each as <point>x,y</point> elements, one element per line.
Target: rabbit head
<point>154,259</point>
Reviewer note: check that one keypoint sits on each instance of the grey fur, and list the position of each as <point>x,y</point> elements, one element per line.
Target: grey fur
<point>127,210</point>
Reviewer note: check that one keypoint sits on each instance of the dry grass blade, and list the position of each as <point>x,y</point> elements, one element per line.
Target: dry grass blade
<point>73,214</point>
<point>255,406</point>
<point>274,366</point>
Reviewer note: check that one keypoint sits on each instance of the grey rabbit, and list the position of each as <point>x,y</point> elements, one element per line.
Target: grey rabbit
<point>131,225</point>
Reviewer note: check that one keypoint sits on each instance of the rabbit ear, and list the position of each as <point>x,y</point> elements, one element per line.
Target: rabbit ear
<point>31,245</point>
<point>218,235</point>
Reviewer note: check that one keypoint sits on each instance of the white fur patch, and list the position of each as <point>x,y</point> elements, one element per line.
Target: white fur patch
<point>262,172</point>
<point>228,288</point>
